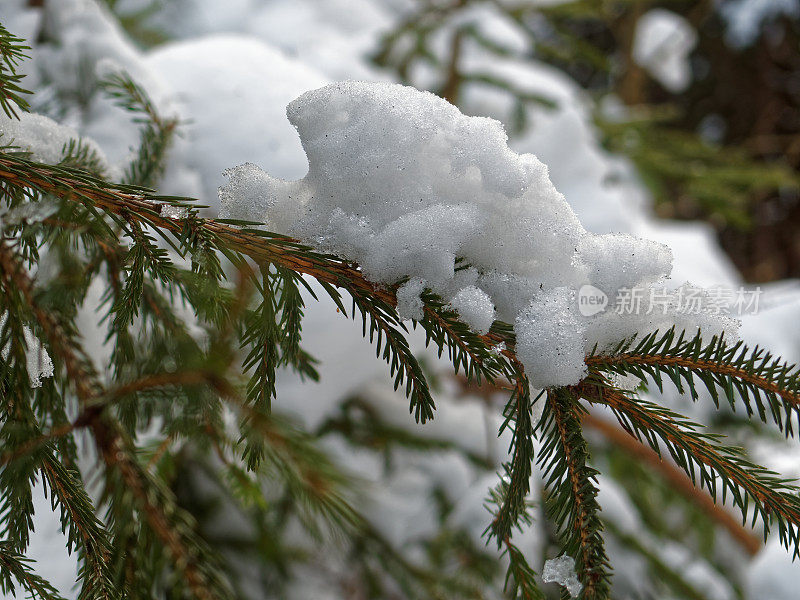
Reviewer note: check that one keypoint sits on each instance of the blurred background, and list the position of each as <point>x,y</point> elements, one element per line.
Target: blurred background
<point>673,120</point>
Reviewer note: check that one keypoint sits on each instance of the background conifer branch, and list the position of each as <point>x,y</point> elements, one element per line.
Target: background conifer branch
<point>12,52</point>
<point>14,566</point>
<point>81,376</point>
<point>156,135</point>
<point>520,577</point>
<point>776,501</point>
<point>84,530</point>
<point>676,478</point>
<point>170,524</point>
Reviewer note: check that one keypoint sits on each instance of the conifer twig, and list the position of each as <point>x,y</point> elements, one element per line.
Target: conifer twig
<point>732,370</point>
<point>516,486</point>
<point>776,500</point>
<point>572,500</point>
<point>677,479</point>
<point>81,376</point>
<point>117,457</point>
<point>699,365</point>
<point>13,564</point>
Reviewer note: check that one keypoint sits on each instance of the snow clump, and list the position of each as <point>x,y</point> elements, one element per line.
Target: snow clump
<point>475,307</point>
<point>38,361</point>
<point>405,185</point>
<point>43,138</point>
<point>662,45</point>
<point>561,570</point>
<point>173,212</point>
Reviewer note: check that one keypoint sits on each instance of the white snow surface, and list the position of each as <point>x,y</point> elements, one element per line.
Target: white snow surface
<point>662,44</point>
<point>475,307</point>
<point>332,36</point>
<point>405,185</point>
<point>561,570</point>
<point>45,139</point>
<point>233,117</point>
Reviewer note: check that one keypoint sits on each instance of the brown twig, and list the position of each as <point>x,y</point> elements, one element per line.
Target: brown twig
<point>159,380</point>
<point>452,85</point>
<point>679,481</point>
<point>701,451</point>
<point>33,444</point>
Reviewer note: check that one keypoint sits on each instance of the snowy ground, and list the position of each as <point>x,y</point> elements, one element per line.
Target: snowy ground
<point>232,72</point>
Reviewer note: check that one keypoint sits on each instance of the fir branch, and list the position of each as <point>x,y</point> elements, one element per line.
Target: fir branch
<point>14,566</point>
<point>84,531</point>
<point>766,385</point>
<point>376,305</point>
<point>308,474</point>
<point>145,258</point>
<point>77,154</point>
<point>572,501</point>
<point>677,479</point>
<point>78,520</point>
<point>292,305</point>
<point>157,132</point>
<point>362,424</point>
<point>16,484</point>
<point>416,581</point>
<point>466,350</point>
<point>61,338</point>
<point>262,335</point>
<point>520,578</point>
<point>776,501</point>
<point>34,443</point>
<point>109,438</point>
<point>12,52</point>
<point>140,206</point>
<point>187,377</point>
<point>172,526</point>
<point>515,485</point>
<point>387,332</point>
